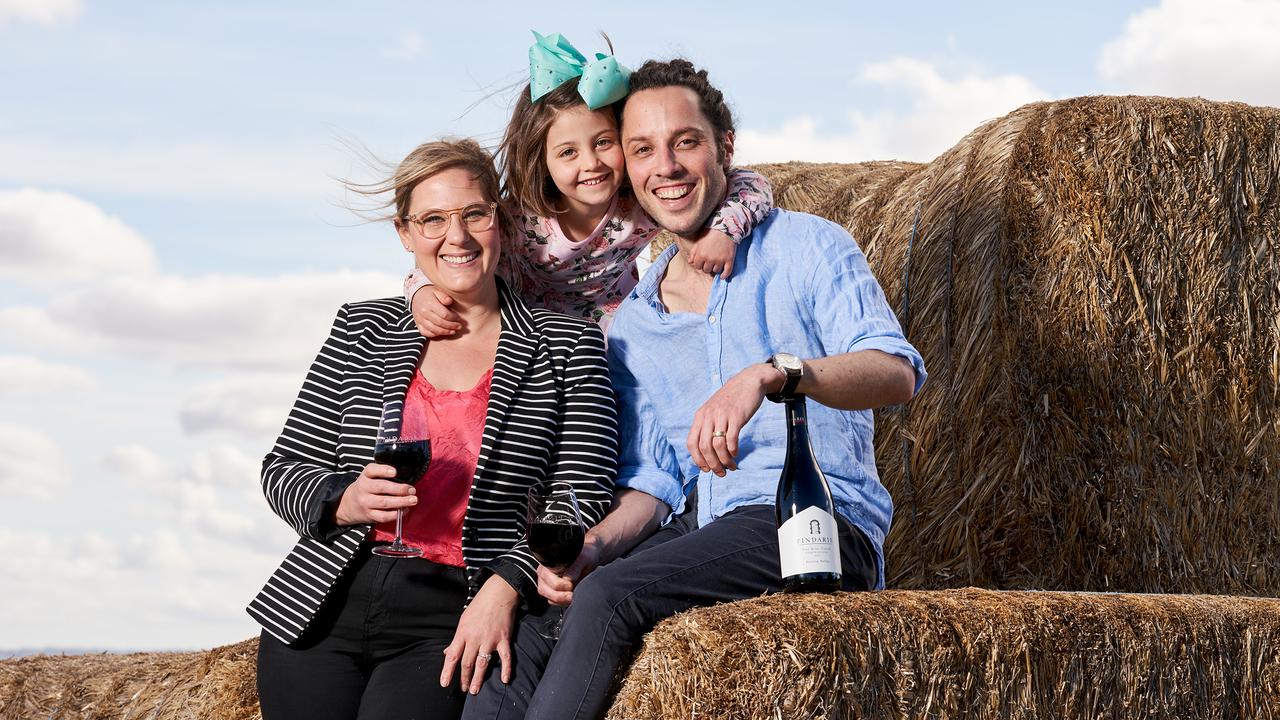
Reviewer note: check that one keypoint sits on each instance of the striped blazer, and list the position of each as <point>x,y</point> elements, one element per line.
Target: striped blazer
<point>551,417</point>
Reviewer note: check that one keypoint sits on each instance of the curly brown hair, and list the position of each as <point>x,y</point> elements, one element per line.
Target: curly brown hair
<point>679,72</point>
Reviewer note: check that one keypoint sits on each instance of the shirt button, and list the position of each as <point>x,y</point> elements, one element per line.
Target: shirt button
<point>712,319</point>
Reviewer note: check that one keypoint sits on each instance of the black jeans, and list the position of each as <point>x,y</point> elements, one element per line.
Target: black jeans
<point>375,650</point>
<point>681,566</point>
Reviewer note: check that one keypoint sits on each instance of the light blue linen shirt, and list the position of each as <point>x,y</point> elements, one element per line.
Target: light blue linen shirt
<point>800,285</point>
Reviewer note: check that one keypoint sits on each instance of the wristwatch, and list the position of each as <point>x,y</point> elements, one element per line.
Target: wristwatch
<point>790,366</point>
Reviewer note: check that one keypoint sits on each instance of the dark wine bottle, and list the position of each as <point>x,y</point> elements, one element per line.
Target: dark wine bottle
<point>808,540</point>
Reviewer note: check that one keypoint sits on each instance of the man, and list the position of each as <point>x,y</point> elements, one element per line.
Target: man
<point>692,358</point>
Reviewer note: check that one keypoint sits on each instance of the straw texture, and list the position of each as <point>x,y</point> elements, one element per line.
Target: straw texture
<point>969,653</point>
<point>1094,285</point>
<point>218,684</point>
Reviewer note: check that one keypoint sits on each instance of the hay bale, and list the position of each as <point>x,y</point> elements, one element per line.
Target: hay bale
<point>218,684</point>
<point>1095,287</point>
<point>961,654</point>
<point>895,654</point>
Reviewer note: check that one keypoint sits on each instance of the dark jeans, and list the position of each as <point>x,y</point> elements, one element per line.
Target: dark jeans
<point>679,567</point>
<point>375,650</point>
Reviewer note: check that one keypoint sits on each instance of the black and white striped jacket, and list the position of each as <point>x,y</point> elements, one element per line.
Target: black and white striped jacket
<point>551,416</point>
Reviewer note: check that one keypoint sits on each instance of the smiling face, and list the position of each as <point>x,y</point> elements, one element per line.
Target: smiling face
<point>672,160</point>
<point>462,263</point>
<point>584,159</point>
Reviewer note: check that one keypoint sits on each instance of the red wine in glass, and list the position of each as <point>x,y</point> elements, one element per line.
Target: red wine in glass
<point>410,459</point>
<point>410,455</point>
<point>556,530</point>
<point>555,544</point>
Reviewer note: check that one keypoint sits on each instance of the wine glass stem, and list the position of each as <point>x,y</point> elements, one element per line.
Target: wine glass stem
<point>399,522</point>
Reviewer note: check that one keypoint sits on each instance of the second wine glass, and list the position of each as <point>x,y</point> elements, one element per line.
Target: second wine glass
<point>556,530</point>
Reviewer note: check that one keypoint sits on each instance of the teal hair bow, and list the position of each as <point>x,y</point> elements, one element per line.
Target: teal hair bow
<point>553,61</point>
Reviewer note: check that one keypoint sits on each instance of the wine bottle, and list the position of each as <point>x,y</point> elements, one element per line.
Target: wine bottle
<point>808,540</point>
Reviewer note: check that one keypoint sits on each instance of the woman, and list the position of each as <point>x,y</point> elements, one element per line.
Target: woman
<point>519,397</point>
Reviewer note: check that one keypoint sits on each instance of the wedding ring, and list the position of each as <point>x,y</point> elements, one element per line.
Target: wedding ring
<point>484,656</point>
<point>717,433</point>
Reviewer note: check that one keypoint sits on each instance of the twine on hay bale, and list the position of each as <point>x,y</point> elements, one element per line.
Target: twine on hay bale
<point>217,684</point>
<point>961,654</point>
<point>1095,288</point>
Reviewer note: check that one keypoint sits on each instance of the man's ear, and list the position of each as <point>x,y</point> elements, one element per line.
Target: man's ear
<point>727,149</point>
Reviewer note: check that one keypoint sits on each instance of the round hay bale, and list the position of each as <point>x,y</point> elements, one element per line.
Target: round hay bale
<point>218,684</point>
<point>961,654</point>
<point>1095,287</point>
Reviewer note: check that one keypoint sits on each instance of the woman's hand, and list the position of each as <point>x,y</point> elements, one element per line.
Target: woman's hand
<point>373,499</point>
<point>485,628</point>
<point>432,315</point>
<point>712,253</point>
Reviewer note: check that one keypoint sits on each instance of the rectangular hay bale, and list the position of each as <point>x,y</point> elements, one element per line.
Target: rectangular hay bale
<point>967,653</point>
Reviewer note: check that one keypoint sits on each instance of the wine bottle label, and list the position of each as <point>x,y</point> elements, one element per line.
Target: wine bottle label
<point>809,543</point>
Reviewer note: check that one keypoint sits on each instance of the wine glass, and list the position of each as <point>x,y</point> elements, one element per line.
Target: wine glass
<point>556,530</point>
<point>408,450</point>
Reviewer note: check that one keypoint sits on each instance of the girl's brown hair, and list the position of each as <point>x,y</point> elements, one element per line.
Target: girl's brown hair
<point>524,146</point>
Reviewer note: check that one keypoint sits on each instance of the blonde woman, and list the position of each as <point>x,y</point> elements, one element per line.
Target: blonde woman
<point>518,397</point>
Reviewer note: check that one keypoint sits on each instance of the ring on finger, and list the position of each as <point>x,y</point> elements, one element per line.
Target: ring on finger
<point>717,433</point>
<point>484,657</point>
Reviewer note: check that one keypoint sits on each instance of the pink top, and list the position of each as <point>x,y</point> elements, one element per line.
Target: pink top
<point>454,420</point>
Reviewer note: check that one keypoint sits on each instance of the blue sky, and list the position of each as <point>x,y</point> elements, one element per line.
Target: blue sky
<point>173,242</point>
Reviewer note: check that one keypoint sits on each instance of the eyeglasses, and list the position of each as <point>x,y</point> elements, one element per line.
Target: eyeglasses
<point>433,224</point>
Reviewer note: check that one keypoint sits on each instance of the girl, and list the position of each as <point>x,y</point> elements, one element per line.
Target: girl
<point>578,228</point>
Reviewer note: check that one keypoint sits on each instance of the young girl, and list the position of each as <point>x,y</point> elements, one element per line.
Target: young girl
<point>578,228</point>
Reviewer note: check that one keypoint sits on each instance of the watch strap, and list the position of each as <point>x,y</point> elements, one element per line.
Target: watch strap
<point>789,383</point>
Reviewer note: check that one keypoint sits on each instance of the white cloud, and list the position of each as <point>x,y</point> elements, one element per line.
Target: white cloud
<point>164,588</point>
<point>225,466</point>
<point>164,168</point>
<point>942,108</point>
<point>29,375</point>
<point>51,238</point>
<point>217,321</point>
<point>136,463</point>
<point>40,12</point>
<point>1224,50</point>
<point>202,494</point>
<point>31,464</point>
<point>409,46</point>
<point>251,406</point>
<point>220,466</point>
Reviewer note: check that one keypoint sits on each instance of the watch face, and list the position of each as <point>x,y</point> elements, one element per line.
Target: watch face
<point>787,362</point>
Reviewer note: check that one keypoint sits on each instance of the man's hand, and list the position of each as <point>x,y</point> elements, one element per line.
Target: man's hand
<point>557,587</point>
<point>713,253</point>
<point>483,629</point>
<point>372,498</point>
<point>713,437</point>
<point>432,315</point>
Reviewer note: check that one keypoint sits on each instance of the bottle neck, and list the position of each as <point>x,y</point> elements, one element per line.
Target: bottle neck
<point>797,422</point>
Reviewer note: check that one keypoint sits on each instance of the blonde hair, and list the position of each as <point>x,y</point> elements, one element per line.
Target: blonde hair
<point>427,160</point>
